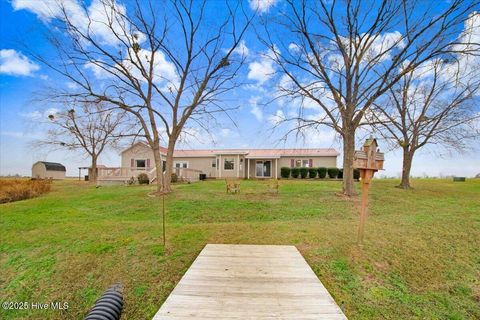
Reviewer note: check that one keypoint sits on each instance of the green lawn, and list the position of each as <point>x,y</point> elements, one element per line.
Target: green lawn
<point>420,260</point>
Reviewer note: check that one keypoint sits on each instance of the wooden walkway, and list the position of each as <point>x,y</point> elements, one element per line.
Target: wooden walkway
<point>249,282</point>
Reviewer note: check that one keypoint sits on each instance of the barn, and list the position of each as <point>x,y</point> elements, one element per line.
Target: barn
<point>48,170</point>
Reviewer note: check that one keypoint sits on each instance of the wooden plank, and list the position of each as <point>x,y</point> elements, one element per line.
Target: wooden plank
<point>249,282</point>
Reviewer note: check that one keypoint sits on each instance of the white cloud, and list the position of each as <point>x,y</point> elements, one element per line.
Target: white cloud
<point>99,18</point>
<point>19,134</point>
<point>256,110</point>
<point>294,48</point>
<point>277,118</point>
<point>16,64</point>
<point>261,71</point>
<point>262,5</point>
<point>40,114</point>
<point>242,49</point>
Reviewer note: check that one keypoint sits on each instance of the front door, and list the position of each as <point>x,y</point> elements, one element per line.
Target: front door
<point>263,169</point>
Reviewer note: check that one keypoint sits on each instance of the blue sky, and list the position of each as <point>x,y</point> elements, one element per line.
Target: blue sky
<point>22,29</point>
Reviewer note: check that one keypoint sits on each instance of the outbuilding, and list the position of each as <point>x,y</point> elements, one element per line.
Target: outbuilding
<point>48,170</point>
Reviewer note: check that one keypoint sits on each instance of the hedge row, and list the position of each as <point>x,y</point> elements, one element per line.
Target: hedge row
<point>322,172</point>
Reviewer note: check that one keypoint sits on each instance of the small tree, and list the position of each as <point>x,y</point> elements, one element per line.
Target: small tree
<point>312,173</point>
<point>303,172</point>
<point>87,127</point>
<point>322,172</point>
<point>285,172</point>
<point>295,172</point>
<point>332,173</point>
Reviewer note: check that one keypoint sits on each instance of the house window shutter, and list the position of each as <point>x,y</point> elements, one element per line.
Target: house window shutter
<point>148,163</point>
<point>132,163</point>
<point>310,163</point>
<point>292,163</point>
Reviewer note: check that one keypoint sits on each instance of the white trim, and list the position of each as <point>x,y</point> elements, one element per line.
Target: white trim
<point>248,168</point>
<point>276,168</point>
<point>238,166</point>
<point>220,166</point>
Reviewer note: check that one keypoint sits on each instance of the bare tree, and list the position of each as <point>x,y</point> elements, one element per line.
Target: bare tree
<point>167,63</point>
<point>435,104</point>
<point>89,128</point>
<point>340,58</point>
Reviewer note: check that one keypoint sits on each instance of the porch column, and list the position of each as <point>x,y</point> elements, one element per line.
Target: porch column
<point>238,166</point>
<point>220,166</point>
<point>276,169</point>
<point>248,168</point>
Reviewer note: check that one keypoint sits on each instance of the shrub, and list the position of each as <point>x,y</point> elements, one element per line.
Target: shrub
<point>312,172</point>
<point>356,174</point>
<point>332,173</point>
<point>174,177</point>
<point>303,172</point>
<point>322,172</point>
<point>285,172</point>
<point>295,172</point>
<point>143,178</point>
<point>15,190</point>
<point>340,174</point>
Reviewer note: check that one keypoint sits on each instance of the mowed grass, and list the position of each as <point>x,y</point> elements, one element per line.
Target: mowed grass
<point>420,259</point>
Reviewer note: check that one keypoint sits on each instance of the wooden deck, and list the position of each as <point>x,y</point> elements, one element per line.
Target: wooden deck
<point>249,282</point>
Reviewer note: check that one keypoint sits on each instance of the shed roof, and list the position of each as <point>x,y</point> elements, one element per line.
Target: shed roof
<point>53,166</point>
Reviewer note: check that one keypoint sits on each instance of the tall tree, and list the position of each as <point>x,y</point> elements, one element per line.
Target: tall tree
<point>436,104</point>
<point>89,128</point>
<point>168,63</point>
<point>338,58</point>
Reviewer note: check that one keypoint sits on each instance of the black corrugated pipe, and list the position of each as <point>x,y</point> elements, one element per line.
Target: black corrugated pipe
<point>109,306</point>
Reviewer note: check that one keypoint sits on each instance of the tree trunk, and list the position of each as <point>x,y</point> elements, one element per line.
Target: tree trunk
<point>406,167</point>
<point>93,170</point>
<point>348,153</point>
<point>158,166</point>
<point>169,165</point>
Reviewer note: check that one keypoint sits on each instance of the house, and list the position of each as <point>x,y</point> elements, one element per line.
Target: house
<point>48,170</point>
<point>223,163</point>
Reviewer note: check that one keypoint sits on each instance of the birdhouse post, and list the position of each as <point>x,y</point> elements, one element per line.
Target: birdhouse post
<point>368,160</point>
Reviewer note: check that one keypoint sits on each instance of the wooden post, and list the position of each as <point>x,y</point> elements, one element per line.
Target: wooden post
<point>366,176</point>
<point>368,160</point>
<point>163,218</point>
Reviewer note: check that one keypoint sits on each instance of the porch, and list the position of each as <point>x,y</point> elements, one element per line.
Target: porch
<point>262,167</point>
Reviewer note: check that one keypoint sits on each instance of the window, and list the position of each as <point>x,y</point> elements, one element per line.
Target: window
<point>181,164</point>
<point>141,163</point>
<point>298,163</point>
<point>228,164</point>
<point>305,163</point>
<point>214,163</point>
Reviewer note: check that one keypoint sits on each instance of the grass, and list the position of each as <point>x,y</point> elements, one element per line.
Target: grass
<point>420,259</point>
<point>21,189</point>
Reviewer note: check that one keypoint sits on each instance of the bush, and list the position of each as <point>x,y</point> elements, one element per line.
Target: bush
<point>15,189</point>
<point>285,172</point>
<point>356,174</point>
<point>332,173</point>
<point>295,172</point>
<point>174,177</point>
<point>340,174</point>
<point>303,172</point>
<point>322,172</point>
<point>143,178</point>
<point>312,172</point>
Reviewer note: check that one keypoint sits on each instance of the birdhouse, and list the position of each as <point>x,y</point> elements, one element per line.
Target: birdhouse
<point>369,157</point>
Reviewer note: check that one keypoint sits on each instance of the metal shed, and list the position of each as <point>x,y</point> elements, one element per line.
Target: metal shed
<point>48,170</point>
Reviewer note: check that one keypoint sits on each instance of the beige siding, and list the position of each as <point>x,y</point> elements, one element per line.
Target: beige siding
<point>238,167</point>
<point>140,152</point>
<point>203,164</point>
<point>38,170</point>
<point>317,161</point>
